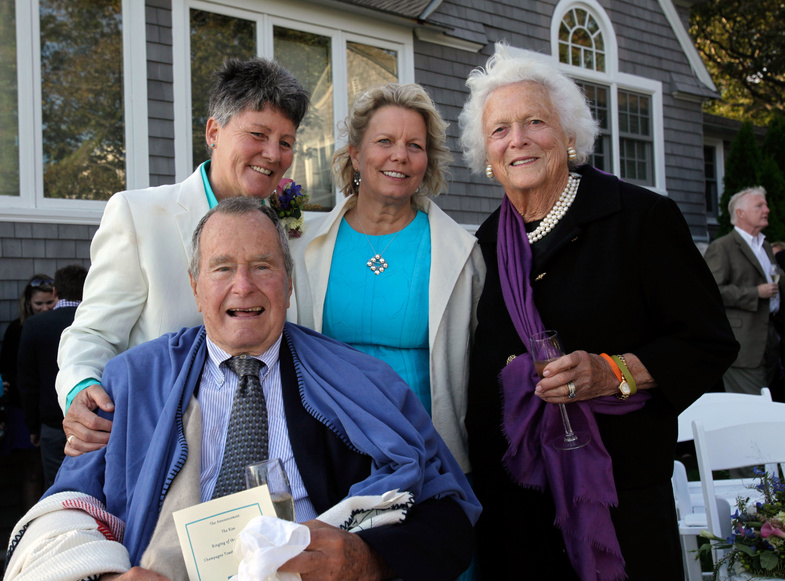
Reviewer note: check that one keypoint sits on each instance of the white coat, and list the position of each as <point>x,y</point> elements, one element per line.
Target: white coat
<point>138,287</point>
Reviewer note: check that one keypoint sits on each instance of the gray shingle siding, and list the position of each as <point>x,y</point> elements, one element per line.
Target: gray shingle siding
<point>160,92</point>
<point>26,249</point>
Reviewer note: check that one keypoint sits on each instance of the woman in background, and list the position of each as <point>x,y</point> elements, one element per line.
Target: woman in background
<point>37,297</point>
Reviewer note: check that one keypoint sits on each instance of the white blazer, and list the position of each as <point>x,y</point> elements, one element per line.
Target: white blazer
<point>456,279</point>
<point>137,288</point>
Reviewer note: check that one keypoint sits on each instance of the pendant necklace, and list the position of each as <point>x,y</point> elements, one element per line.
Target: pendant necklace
<point>376,263</point>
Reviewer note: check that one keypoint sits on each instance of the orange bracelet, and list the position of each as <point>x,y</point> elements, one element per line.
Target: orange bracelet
<point>614,366</point>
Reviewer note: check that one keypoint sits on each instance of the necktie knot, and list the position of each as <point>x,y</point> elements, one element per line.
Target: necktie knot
<point>244,365</point>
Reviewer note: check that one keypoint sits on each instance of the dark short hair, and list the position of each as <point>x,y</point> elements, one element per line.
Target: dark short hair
<point>69,282</point>
<point>239,206</point>
<point>255,84</point>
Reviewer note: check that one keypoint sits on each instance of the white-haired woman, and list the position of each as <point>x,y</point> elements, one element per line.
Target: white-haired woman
<point>387,271</point>
<point>611,267</point>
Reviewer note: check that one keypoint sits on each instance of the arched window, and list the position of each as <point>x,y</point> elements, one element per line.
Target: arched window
<point>627,107</point>
<point>581,42</point>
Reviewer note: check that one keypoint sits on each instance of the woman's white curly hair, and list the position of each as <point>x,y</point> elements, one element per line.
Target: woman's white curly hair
<point>502,69</point>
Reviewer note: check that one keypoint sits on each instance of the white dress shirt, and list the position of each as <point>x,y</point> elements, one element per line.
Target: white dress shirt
<point>216,394</point>
<point>756,245</point>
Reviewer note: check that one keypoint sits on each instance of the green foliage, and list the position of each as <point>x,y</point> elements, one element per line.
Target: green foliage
<point>82,98</point>
<point>9,110</point>
<point>741,171</point>
<point>748,166</point>
<point>742,43</point>
<point>772,179</point>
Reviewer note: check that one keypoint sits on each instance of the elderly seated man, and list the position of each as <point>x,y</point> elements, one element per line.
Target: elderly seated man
<point>343,423</point>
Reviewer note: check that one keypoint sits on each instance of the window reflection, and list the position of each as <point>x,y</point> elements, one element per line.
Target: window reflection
<point>369,66</point>
<point>307,57</point>
<point>213,38</point>
<point>82,110</point>
<point>9,106</point>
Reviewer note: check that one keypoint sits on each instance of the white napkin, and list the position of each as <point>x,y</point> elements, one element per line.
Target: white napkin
<point>358,513</point>
<point>265,544</point>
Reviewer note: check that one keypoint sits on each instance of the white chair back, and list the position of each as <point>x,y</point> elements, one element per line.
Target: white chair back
<point>719,407</point>
<point>750,442</point>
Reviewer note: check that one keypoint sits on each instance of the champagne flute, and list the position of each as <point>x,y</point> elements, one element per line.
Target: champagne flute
<point>271,472</point>
<point>775,273</point>
<point>546,347</point>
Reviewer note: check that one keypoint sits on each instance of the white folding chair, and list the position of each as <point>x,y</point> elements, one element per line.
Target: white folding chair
<point>714,405</point>
<point>716,409</point>
<point>747,442</point>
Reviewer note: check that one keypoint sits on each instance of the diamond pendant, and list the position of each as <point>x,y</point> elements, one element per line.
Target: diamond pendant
<point>377,264</point>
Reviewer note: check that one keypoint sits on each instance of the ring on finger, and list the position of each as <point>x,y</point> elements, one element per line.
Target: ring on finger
<point>69,439</point>
<point>571,389</point>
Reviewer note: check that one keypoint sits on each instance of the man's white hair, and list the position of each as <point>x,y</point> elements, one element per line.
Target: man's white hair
<point>737,199</point>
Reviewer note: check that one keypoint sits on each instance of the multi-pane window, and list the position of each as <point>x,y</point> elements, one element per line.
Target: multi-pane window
<point>69,91</point>
<point>711,178</point>
<point>626,143</point>
<point>309,54</point>
<point>581,43</point>
<point>599,103</point>
<point>635,140</point>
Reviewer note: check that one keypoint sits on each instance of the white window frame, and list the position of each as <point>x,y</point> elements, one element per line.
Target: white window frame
<point>31,205</point>
<point>340,26</point>
<point>615,80</point>
<point>719,166</point>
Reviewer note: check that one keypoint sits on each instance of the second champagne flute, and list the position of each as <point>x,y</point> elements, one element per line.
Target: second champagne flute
<point>546,347</point>
<point>271,472</point>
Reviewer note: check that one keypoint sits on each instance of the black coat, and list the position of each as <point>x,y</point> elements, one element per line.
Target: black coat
<point>620,273</point>
<point>37,367</point>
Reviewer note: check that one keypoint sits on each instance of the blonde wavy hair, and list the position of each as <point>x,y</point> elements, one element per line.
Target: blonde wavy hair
<point>408,96</point>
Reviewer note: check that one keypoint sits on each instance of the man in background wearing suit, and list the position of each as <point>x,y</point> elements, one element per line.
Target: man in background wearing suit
<point>741,263</point>
<point>37,369</point>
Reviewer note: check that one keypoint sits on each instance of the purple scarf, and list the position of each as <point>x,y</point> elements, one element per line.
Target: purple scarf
<point>580,481</point>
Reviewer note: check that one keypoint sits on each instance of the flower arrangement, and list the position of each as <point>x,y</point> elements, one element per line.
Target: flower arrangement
<point>288,201</point>
<point>757,541</point>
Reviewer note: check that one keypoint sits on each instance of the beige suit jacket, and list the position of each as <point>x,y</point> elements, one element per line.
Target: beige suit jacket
<point>138,287</point>
<point>738,273</point>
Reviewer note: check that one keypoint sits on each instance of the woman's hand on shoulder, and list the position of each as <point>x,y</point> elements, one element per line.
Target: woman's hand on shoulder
<point>590,374</point>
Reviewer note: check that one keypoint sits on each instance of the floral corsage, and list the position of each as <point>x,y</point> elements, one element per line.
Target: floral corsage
<point>288,201</point>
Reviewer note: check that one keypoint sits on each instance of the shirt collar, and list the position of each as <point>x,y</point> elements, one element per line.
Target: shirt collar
<point>217,356</point>
<point>212,201</point>
<point>66,303</point>
<point>753,241</point>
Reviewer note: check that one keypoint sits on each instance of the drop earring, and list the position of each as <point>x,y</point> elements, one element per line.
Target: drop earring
<point>489,171</point>
<point>357,179</point>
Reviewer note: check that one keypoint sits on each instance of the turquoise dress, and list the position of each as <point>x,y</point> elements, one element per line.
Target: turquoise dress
<point>384,315</point>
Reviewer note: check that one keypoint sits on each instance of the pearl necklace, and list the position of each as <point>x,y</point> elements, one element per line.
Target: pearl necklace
<point>559,209</point>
